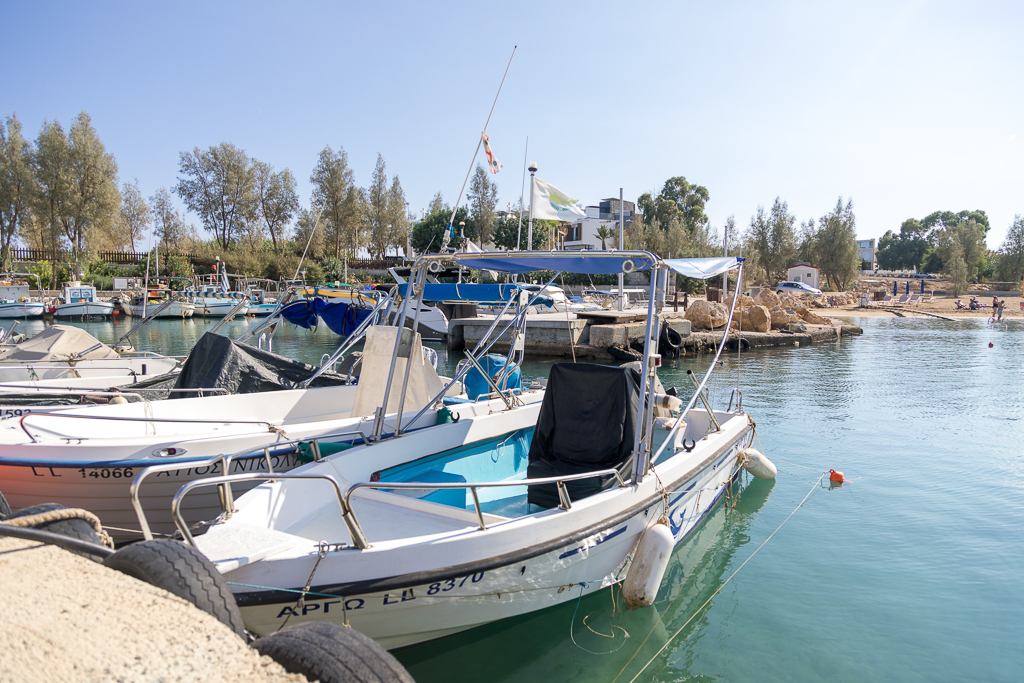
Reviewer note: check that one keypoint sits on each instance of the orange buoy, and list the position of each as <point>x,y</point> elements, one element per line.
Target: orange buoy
<point>990,345</point>
<point>835,476</point>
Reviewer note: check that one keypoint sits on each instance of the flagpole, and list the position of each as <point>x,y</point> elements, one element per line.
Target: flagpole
<point>522,191</point>
<point>529,238</point>
<point>449,231</point>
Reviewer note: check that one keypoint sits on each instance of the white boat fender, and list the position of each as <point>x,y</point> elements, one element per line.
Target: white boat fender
<point>757,463</point>
<point>650,560</point>
<point>119,399</point>
<point>668,401</point>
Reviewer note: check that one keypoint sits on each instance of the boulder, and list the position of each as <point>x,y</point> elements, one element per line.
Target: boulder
<point>811,317</point>
<point>754,318</point>
<point>706,315</point>
<point>767,298</point>
<point>782,317</point>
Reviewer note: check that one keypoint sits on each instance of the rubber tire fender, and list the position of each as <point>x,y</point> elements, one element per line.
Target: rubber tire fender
<point>183,571</point>
<point>72,528</point>
<point>332,653</point>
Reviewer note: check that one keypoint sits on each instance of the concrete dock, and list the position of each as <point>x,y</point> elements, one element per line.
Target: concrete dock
<point>556,334</point>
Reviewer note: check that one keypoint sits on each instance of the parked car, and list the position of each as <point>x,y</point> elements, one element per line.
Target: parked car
<point>796,288</point>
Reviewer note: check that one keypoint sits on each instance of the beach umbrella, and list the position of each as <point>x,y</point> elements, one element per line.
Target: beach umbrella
<point>894,291</point>
<point>908,286</point>
<point>922,286</point>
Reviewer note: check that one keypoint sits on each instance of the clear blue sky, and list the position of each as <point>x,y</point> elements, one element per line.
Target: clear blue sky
<point>907,107</point>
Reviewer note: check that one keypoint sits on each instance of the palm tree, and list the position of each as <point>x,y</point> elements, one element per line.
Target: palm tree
<point>604,233</point>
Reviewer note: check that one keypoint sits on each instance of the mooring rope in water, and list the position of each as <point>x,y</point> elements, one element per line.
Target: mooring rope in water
<point>719,590</point>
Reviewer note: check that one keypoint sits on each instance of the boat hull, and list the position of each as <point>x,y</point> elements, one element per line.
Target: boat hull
<point>402,593</point>
<point>22,310</point>
<point>96,368</point>
<point>104,489</point>
<point>176,310</point>
<point>87,309</point>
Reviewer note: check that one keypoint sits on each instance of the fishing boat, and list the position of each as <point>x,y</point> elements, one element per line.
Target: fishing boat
<point>213,297</point>
<point>427,532</point>
<point>16,300</point>
<point>166,303</point>
<point>263,300</point>
<point>80,301</point>
<point>87,456</point>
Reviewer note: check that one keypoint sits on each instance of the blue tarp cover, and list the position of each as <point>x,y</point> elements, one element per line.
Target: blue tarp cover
<point>591,263</point>
<point>341,318</point>
<point>475,293</point>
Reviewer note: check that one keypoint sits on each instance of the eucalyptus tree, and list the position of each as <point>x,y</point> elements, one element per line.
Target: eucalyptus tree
<point>16,185</point>
<point>276,200</point>
<point>134,216</point>
<point>218,185</point>
<point>1011,254</point>
<point>168,224</point>
<point>483,197</point>
<point>76,196</point>
<point>436,204</point>
<point>770,236</point>
<point>969,236</point>
<point>384,217</point>
<point>956,269</point>
<point>92,212</point>
<point>336,200</point>
<point>835,249</point>
<point>398,215</point>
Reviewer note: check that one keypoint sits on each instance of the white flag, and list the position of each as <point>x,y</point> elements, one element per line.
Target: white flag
<point>550,203</point>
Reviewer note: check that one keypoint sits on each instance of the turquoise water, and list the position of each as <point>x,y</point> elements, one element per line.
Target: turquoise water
<point>909,572</point>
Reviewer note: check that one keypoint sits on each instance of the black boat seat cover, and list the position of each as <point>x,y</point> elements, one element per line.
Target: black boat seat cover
<point>587,423</point>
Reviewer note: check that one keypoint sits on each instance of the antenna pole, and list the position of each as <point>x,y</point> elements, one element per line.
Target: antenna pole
<point>449,231</point>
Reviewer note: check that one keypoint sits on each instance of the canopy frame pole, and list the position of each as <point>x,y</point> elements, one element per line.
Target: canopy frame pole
<point>418,293</point>
<point>378,417</point>
<point>639,438</point>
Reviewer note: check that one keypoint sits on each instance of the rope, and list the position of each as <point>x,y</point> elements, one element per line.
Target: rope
<point>61,515</point>
<point>719,590</point>
<point>322,549</point>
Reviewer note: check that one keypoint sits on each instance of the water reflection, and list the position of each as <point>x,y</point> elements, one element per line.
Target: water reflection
<point>594,639</point>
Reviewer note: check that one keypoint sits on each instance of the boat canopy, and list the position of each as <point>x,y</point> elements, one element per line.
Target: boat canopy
<point>474,293</point>
<point>703,268</point>
<point>589,263</point>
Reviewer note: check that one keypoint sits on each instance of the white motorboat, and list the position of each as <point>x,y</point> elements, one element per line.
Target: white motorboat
<point>80,301</point>
<point>62,351</point>
<point>86,457</point>
<point>16,300</point>
<point>502,513</point>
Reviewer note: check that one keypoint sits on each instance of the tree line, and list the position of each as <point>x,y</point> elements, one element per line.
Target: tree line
<point>61,192</point>
<point>954,244</point>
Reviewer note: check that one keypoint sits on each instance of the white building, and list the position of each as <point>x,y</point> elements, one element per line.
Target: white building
<point>868,253</point>
<point>805,273</point>
<point>583,235</point>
